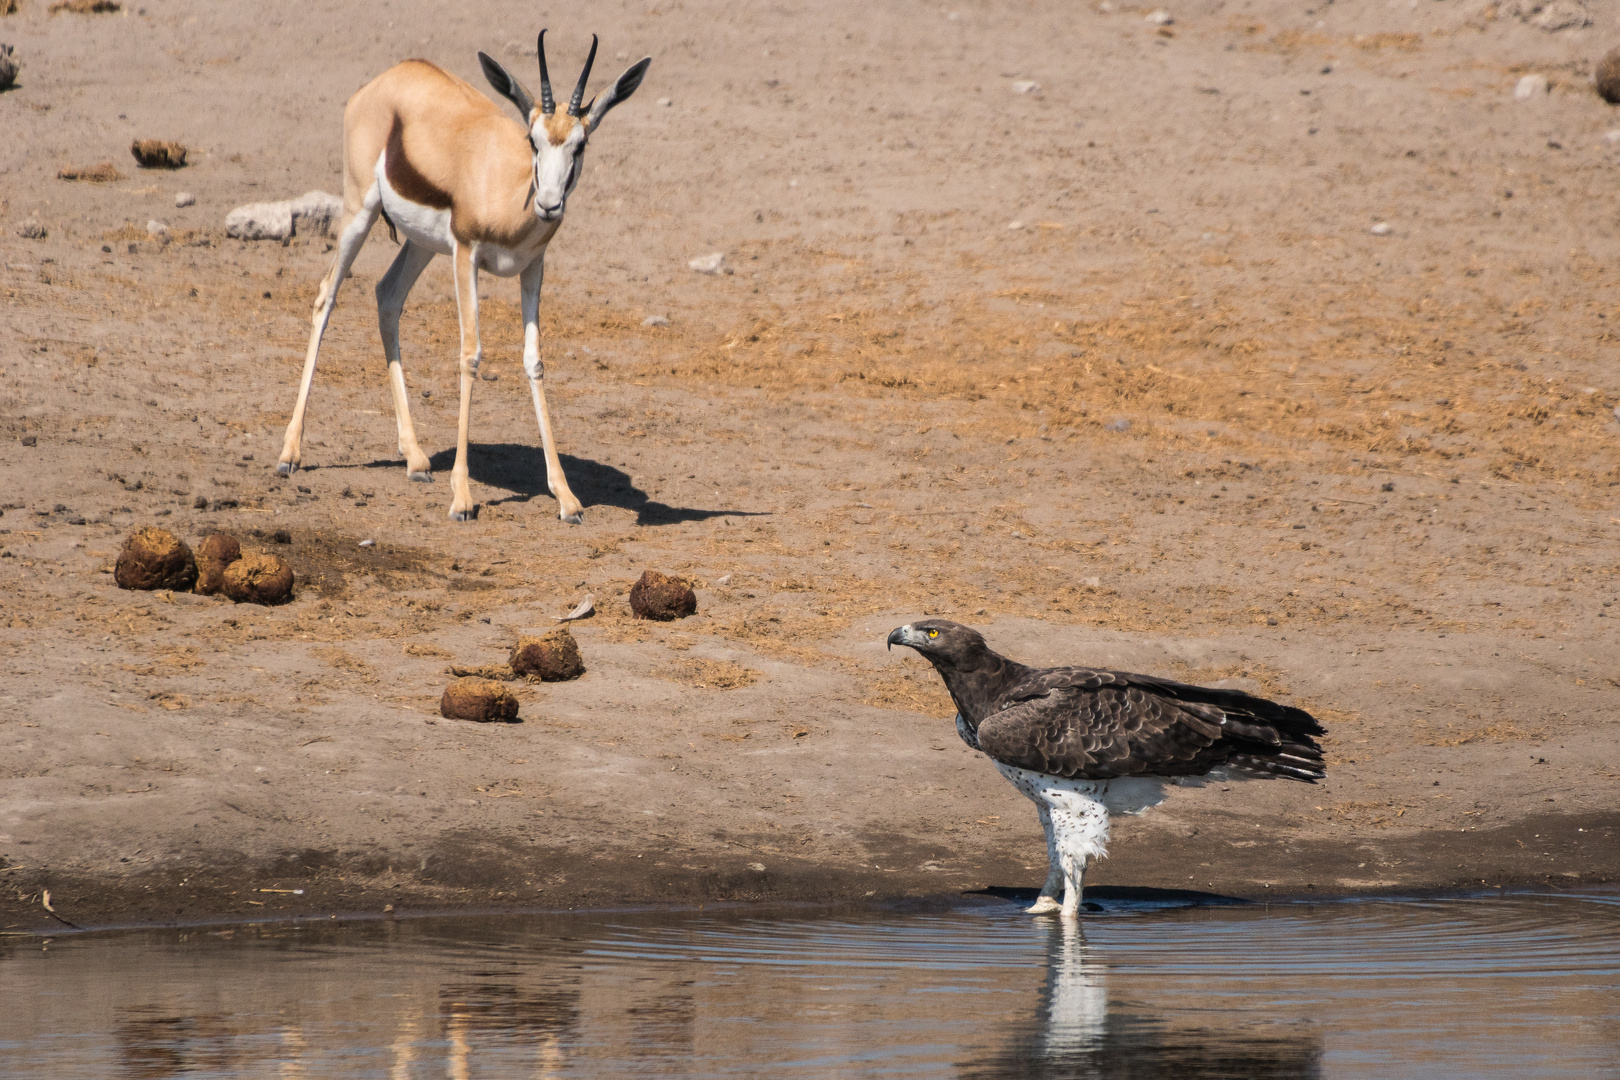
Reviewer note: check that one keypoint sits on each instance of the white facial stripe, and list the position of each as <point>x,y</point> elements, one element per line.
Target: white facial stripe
<point>556,169</point>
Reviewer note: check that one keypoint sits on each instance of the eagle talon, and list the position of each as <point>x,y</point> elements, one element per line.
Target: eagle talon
<point>1044,905</point>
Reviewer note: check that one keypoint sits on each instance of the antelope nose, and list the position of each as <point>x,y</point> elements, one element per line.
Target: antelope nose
<point>551,211</point>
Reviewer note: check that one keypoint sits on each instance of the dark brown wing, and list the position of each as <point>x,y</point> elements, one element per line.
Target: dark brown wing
<point>1083,723</point>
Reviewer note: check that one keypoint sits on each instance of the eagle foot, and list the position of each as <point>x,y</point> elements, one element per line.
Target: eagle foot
<point>1044,905</point>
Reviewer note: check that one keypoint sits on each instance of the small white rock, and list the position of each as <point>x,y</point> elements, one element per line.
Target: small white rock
<point>708,264</point>
<point>1105,7</point>
<point>1383,228</point>
<point>1531,86</point>
<point>1015,225</point>
<point>185,198</point>
<point>665,102</point>
<point>1612,137</point>
<point>757,867</point>
<point>368,543</point>
<point>1092,582</point>
<point>655,320</point>
<point>157,228</point>
<point>724,579</point>
<point>1025,86</point>
<point>1160,17</point>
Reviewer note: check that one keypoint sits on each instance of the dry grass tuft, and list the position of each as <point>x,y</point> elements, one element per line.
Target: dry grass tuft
<point>103,173</point>
<point>709,674</point>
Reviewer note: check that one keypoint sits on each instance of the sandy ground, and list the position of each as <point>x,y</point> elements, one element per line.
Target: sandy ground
<point>1192,417</point>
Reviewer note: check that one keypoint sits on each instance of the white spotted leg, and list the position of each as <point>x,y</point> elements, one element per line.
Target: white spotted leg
<point>352,238</point>
<point>464,264</point>
<point>568,507</point>
<point>392,290</point>
<point>1047,901</point>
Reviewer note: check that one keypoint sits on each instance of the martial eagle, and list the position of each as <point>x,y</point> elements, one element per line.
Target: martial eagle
<point>1082,743</point>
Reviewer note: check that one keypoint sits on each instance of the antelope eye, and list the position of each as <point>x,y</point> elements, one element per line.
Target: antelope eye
<point>933,633</point>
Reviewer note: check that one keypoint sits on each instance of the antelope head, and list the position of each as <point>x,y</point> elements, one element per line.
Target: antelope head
<point>558,142</point>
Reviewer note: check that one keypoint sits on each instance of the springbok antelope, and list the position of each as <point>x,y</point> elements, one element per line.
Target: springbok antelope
<point>441,163</point>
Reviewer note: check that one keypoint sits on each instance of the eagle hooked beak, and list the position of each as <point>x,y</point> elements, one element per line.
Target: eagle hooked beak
<point>897,636</point>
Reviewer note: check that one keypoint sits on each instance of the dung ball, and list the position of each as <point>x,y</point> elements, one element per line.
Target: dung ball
<point>158,153</point>
<point>214,554</point>
<point>553,656</point>
<point>661,597</point>
<point>258,579</point>
<point>1608,77</point>
<point>155,558</point>
<point>478,699</point>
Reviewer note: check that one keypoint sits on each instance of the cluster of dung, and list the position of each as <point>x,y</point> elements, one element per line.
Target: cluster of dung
<point>478,699</point>
<point>552,657</point>
<point>661,597</point>
<point>157,559</point>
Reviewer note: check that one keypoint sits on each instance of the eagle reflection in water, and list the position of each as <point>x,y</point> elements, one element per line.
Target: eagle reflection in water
<point>1075,1035</point>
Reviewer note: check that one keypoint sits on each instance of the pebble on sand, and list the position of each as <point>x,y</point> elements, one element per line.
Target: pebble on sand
<point>1531,86</point>
<point>708,264</point>
<point>258,579</point>
<point>664,102</point>
<point>185,198</point>
<point>655,320</point>
<point>553,656</point>
<point>1024,86</point>
<point>1383,228</point>
<point>472,698</point>
<point>214,554</point>
<point>1160,17</point>
<point>157,228</point>
<point>662,598</point>
<point>155,558</point>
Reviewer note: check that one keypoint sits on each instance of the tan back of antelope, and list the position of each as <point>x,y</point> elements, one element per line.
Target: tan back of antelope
<point>455,176</point>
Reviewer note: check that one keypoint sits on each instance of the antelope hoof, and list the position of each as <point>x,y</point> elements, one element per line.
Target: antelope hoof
<point>286,468</point>
<point>576,518</point>
<point>470,514</point>
<point>1044,905</point>
<point>421,476</point>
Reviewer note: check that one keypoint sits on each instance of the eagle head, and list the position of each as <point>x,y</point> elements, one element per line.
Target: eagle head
<point>938,639</point>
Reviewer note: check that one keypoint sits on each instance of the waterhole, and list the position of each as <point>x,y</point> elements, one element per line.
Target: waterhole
<point>1519,985</point>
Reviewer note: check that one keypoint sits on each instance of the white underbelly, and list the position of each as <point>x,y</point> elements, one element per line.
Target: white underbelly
<point>421,225</point>
<point>1125,795</point>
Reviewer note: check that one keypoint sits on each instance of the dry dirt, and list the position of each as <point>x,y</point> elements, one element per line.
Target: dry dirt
<point>1193,417</point>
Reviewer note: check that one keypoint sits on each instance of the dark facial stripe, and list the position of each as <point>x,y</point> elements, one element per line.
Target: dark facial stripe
<point>403,177</point>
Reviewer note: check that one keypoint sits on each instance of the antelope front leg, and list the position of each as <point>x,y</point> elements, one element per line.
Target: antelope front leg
<point>568,507</point>
<point>349,244</point>
<point>464,265</point>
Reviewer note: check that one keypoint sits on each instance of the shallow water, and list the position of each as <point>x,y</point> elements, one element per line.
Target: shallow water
<point>1520,985</point>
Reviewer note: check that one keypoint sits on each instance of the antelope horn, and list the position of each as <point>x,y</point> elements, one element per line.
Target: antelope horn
<point>579,91</point>
<point>547,105</point>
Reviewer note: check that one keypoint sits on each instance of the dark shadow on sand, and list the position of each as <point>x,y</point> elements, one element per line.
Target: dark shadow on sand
<point>521,470</point>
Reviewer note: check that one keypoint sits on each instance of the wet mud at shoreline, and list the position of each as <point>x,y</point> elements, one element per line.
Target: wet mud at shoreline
<point>1190,418</point>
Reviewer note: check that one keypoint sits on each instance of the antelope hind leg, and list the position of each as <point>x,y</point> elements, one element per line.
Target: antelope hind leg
<point>353,237</point>
<point>391,292</point>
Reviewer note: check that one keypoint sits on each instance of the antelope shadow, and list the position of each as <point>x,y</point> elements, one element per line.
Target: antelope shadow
<point>521,470</point>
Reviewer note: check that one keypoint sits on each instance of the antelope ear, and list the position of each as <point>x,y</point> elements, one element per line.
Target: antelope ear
<point>621,89</point>
<point>507,86</point>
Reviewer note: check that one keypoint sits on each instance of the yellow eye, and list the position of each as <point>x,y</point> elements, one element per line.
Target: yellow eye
<point>933,633</point>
